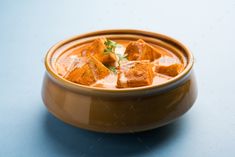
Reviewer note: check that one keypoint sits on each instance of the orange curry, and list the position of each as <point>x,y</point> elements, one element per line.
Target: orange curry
<point>118,64</point>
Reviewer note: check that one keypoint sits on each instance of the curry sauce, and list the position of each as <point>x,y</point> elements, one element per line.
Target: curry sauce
<point>116,64</point>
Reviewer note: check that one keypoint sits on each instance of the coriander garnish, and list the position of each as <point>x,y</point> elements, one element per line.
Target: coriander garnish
<point>121,58</point>
<point>113,69</point>
<point>110,46</point>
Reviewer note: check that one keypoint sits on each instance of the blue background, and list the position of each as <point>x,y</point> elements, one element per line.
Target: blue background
<point>29,28</point>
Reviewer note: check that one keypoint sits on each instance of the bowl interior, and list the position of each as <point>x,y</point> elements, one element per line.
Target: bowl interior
<point>163,41</point>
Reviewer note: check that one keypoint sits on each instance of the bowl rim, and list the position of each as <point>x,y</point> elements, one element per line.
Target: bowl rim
<point>176,80</point>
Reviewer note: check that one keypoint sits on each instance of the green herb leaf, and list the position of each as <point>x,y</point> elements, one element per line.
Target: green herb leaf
<point>110,46</point>
<point>113,69</point>
<point>121,58</point>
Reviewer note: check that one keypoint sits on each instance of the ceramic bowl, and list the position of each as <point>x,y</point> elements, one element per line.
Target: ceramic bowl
<point>119,110</point>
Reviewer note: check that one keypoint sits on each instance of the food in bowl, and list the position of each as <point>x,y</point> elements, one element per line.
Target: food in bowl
<point>119,64</point>
<point>119,81</point>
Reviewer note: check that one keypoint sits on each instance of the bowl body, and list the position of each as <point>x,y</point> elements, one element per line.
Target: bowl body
<point>119,111</point>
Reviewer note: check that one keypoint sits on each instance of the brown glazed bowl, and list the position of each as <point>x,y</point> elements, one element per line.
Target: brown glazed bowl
<point>119,110</point>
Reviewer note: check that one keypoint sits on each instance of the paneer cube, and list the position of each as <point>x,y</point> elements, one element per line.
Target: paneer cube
<point>82,75</point>
<point>170,70</point>
<point>99,70</point>
<point>134,50</point>
<point>89,73</point>
<point>140,50</point>
<point>97,48</point>
<point>137,74</point>
<point>107,59</point>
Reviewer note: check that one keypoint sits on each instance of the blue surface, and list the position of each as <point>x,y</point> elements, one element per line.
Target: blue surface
<point>28,29</point>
